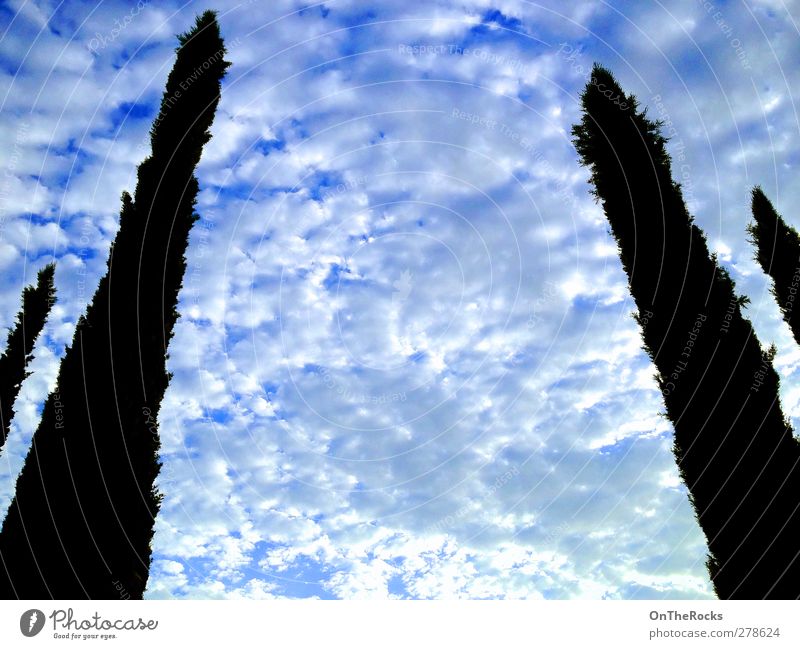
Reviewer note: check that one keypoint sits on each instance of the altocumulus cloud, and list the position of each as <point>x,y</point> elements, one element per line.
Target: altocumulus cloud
<point>405,365</point>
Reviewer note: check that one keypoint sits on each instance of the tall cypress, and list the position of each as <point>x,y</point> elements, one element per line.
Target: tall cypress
<point>778,253</point>
<point>36,304</point>
<point>81,523</point>
<point>734,448</point>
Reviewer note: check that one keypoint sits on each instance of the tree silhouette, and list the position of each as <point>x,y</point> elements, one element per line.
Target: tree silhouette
<point>36,304</point>
<point>778,252</point>
<point>735,450</point>
<point>81,523</point>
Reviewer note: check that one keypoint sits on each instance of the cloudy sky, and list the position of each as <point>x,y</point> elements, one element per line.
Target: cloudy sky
<point>406,365</point>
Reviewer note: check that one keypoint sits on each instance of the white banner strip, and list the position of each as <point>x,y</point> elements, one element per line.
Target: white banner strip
<point>401,624</point>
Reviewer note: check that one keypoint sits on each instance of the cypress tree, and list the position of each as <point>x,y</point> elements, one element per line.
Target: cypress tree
<point>733,446</point>
<point>81,522</point>
<point>36,304</point>
<point>778,253</point>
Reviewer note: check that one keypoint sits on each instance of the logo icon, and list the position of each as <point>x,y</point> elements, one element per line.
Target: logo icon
<point>31,622</point>
<point>402,287</point>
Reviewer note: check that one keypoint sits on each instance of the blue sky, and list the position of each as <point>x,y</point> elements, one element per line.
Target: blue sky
<point>405,365</point>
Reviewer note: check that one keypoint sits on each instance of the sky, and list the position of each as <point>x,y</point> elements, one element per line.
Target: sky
<point>405,365</point>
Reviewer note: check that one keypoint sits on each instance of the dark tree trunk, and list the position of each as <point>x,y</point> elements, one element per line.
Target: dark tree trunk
<point>36,304</point>
<point>81,523</point>
<point>778,252</point>
<point>734,447</point>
